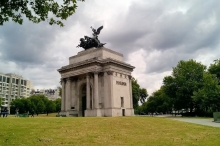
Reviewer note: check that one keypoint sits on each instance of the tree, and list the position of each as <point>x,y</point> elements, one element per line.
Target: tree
<point>50,107</point>
<point>40,107</point>
<point>170,89</point>
<point>58,104</point>
<point>150,105</point>
<point>1,103</point>
<point>135,93</point>
<point>157,102</point>
<point>215,69</point>
<point>187,77</point>
<point>35,103</point>
<point>143,95</point>
<point>138,94</point>
<point>36,10</point>
<point>17,104</point>
<point>60,91</point>
<point>207,98</point>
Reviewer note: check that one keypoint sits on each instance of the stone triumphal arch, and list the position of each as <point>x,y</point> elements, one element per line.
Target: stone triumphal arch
<point>97,82</point>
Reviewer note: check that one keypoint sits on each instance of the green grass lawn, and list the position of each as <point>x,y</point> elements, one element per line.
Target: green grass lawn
<point>52,131</point>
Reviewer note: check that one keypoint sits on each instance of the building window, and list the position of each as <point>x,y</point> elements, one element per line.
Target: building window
<point>13,80</point>
<point>8,80</point>
<point>25,82</point>
<point>122,101</point>
<point>22,82</point>
<point>4,79</point>
<point>17,80</point>
<point>0,78</point>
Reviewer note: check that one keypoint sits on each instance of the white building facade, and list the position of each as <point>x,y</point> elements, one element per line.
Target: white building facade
<point>51,94</point>
<point>13,86</point>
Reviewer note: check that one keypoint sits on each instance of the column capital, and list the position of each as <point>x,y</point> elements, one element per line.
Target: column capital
<point>101,73</point>
<point>74,78</point>
<point>63,80</point>
<point>89,74</point>
<point>109,72</point>
<point>68,79</point>
<point>130,77</point>
<point>95,72</point>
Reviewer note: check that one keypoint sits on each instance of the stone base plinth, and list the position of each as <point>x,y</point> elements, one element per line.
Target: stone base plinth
<point>70,113</point>
<point>112,112</point>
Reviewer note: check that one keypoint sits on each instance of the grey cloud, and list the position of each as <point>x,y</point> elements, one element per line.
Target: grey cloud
<point>147,25</point>
<point>25,44</point>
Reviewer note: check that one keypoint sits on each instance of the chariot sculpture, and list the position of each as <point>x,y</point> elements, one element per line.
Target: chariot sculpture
<point>89,42</point>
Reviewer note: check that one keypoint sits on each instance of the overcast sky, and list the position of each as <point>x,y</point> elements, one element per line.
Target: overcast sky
<point>153,35</point>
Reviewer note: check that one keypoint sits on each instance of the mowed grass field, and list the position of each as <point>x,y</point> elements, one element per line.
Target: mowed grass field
<point>106,131</point>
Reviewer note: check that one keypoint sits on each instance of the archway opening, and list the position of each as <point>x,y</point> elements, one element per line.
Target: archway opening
<point>83,99</point>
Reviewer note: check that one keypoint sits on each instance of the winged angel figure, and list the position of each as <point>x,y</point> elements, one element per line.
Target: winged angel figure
<point>88,42</point>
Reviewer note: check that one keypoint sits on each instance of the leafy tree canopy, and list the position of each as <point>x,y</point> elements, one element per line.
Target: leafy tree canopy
<point>190,87</point>
<point>207,98</point>
<point>186,78</point>
<point>58,104</point>
<point>138,94</point>
<point>215,69</point>
<point>157,102</point>
<point>37,10</point>
<point>36,103</point>
<point>0,101</point>
<point>60,91</point>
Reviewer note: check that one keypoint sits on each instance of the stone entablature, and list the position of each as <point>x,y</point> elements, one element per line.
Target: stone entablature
<point>100,53</point>
<point>96,64</point>
<point>104,81</point>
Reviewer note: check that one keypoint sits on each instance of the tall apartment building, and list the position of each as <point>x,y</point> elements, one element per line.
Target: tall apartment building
<point>13,86</point>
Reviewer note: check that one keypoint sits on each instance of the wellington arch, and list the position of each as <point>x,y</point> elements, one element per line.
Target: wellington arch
<point>97,82</point>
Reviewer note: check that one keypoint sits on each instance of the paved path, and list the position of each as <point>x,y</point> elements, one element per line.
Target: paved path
<point>206,122</point>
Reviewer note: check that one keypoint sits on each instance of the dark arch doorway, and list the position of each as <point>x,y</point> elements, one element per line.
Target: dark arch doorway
<point>83,99</point>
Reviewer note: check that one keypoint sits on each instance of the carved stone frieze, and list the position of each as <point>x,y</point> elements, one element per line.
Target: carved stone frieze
<point>101,74</point>
<point>95,72</point>
<point>63,80</point>
<point>74,79</point>
<point>110,72</point>
<point>69,79</point>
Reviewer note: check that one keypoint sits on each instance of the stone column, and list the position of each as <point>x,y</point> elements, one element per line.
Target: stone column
<point>67,97</point>
<point>72,93</point>
<point>87,92</point>
<point>63,95</point>
<point>110,82</point>
<point>130,90</point>
<point>96,91</point>
<point>107,99</point>
<point>92,93</point>
<point>75,94</point>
